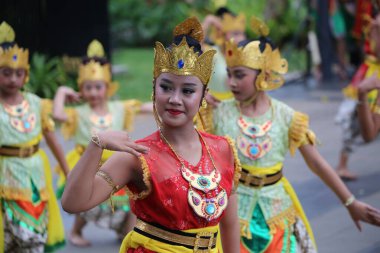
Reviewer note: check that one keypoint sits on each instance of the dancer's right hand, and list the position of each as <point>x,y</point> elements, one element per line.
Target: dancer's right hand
<point>120,141</point>
<point>360,211</point>
<point>70,95</point>
<point>211,100</point>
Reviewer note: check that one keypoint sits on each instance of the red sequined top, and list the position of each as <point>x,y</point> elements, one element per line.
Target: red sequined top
<point>167,202</point>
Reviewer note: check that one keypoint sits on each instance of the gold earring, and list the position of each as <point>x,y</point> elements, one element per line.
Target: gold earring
<point>204,103</point>
<point>155,113</point>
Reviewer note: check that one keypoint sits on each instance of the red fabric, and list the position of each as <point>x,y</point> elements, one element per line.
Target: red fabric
<point>362,7</point>
<point>359,75</point>
<point>31,209</point>
<point>277,243</point>
<point>140,250</point>
<point>167,203</point>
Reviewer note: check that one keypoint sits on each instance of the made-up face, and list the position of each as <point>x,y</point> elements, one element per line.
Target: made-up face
<point>11,80</point>
<point>94,92</point>
<point>241,81</point>
<point>177,98</point>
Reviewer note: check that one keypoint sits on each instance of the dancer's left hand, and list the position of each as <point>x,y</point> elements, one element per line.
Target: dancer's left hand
<point>360,211</point>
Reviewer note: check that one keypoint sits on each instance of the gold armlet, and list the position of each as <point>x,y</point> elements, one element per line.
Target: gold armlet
<point>110,182</point>
<point>375,109</point>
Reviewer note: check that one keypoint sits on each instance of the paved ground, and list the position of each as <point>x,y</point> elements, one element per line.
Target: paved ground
<point>334,231</point>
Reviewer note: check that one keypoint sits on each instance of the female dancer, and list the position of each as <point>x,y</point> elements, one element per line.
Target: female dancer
<point>369,115</point>
<point>80,122</point>
<point>367,23</point>
<point>271,217</point>
<point>30,220</point>
<point>180,180</point>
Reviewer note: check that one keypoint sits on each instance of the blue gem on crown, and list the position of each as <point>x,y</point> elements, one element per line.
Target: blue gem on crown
<point>180,63</point>
<point>14,57</point>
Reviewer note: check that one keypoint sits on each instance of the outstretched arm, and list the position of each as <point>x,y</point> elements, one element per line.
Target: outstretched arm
<point>230,227</point>
<point>359,211</point>
<point>85,188</point>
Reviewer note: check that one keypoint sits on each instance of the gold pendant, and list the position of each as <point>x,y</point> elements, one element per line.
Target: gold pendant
<point>208,208</point>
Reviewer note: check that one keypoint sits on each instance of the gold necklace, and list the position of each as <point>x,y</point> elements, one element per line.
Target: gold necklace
<point>206,207</point>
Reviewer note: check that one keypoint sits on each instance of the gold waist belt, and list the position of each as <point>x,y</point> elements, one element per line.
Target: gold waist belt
<point>199,242</point>
<point>18,151</point>
<point>249,179</point>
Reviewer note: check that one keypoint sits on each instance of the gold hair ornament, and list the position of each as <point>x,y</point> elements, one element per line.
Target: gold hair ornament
<point>181,59</point>
<point>269,61</point>
<point>231,23</point>
<point>94,71</point>
<point>14,57</point>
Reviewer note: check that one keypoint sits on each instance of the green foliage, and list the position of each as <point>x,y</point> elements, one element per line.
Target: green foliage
<point>46,75</point>
<point>137,83</point>
<point>141,23</point>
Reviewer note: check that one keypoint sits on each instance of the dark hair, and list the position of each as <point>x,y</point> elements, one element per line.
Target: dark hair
<point>263,41</point>
<point>101,60</point>
<point>223,10</point>
<point>190,41</point>
<point>7,45</point>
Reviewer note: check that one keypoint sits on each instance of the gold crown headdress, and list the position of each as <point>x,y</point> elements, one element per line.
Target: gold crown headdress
<point>181,59</point>
<point>94,71</point>
<point>269,61</point>
<point>233,23</point>
<point>13,57</point>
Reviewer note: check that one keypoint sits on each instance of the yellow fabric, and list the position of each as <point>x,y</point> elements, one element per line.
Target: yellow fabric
<point>352,92</point>
<point>134,240</point>
<point>221,95</point>
<point>299,132</point>
<point>56,232</point>
<point>288,188</point>
<point>131,107</point>
<point>69,127</point>
<point>237,163</point>
<point>46,111</point>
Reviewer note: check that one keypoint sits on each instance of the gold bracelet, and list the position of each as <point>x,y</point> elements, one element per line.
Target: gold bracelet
<point>349,201</point>
<point>110,182</point>
<point>95,139</point>
<point>375,109</point>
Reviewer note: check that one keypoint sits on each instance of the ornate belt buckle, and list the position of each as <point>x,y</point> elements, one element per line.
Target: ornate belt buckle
<point>25,151</point>
<point>248,179</point>
<point>262,180</point>
<point>198,239</point>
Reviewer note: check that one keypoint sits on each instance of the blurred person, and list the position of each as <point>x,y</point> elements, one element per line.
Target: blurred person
<point>265,129</point>
<point>347,116</point>
<point>180,180</point>
<point>30,220</point>
<point>97,113</point>
<point>369,115</point>
<point>338,28</point>
<point>221,27</point>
